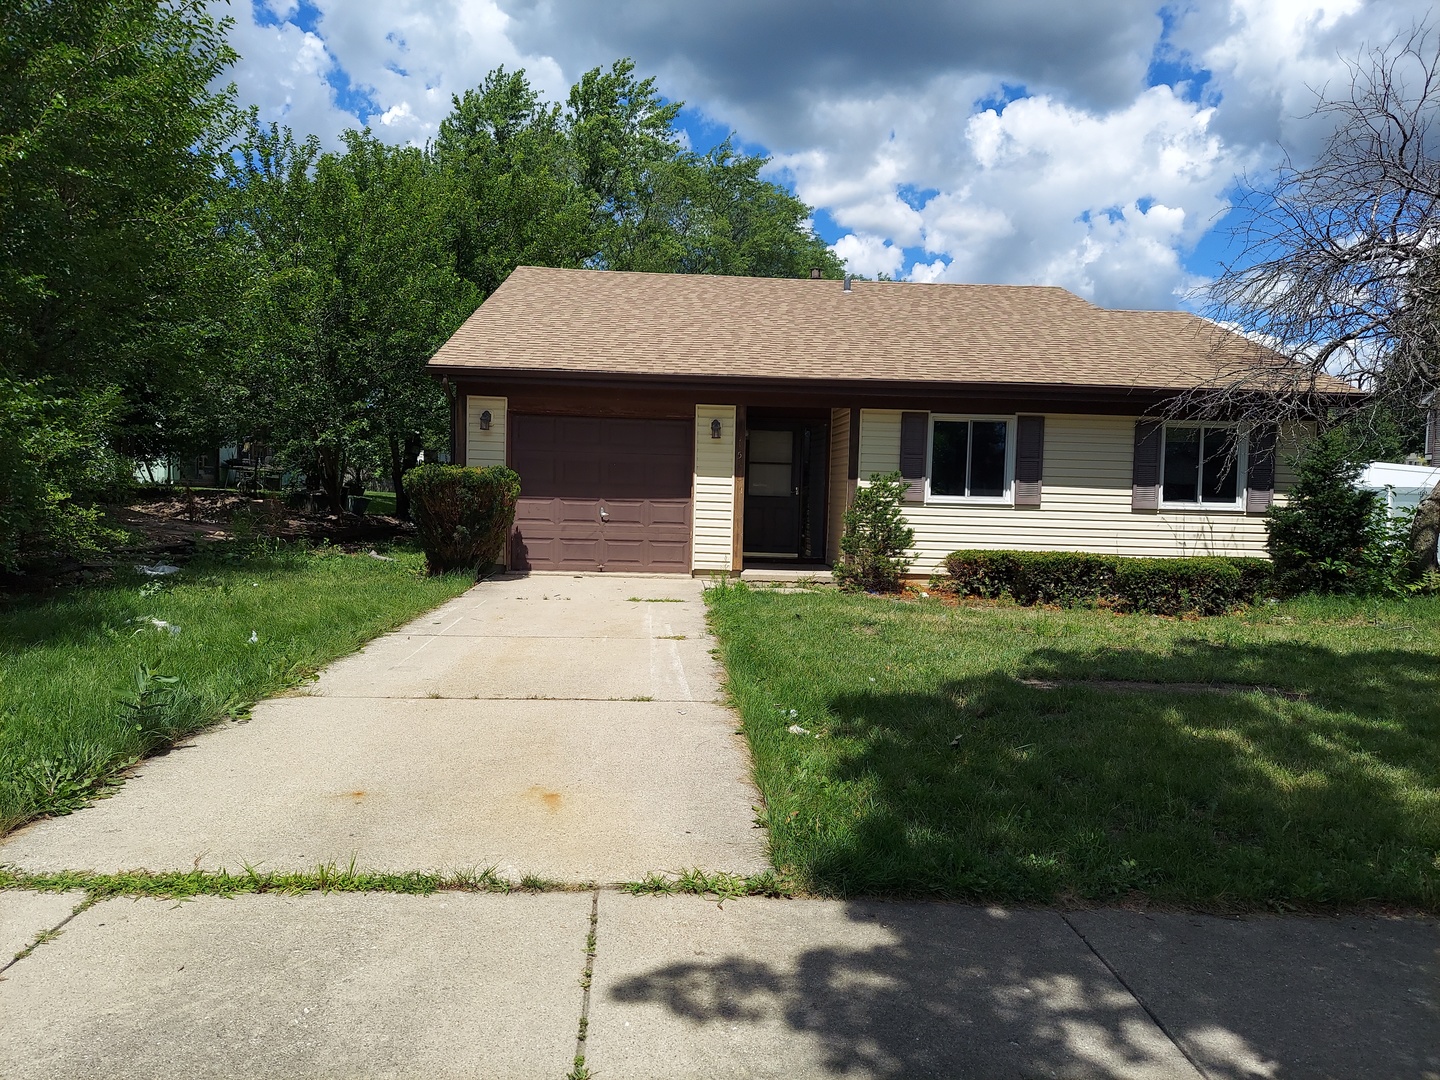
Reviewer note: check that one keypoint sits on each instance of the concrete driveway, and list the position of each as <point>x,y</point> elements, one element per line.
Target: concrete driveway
<point>563,726</point>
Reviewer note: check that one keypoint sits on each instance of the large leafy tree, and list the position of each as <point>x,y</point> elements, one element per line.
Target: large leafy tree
<point>520,205</point>
<point>352,287</point>
<point>110,134</point>
<point>608,182</point>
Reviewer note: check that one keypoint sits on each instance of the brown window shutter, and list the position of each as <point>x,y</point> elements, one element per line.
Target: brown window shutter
<point>1260,471</point>
<point>1145,474</point>
<point>913,427</point>
<point>1029,459</point>
<point>914,431</point>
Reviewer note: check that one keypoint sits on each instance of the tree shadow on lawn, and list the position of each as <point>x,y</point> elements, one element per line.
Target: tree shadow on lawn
<point>990,788</point>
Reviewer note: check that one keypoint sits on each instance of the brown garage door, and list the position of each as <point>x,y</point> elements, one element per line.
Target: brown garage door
<point>601,493</point>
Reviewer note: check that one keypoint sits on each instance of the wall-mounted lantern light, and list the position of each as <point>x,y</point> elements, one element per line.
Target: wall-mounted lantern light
<point>485,420</point>
<point>715,428</point>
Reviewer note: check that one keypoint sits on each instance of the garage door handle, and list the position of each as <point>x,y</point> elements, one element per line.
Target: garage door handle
<point>603,515</point>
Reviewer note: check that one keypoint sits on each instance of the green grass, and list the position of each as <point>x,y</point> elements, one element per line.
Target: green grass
<point>930,770</point>
<point>89,684</point>
<point>381,502</point>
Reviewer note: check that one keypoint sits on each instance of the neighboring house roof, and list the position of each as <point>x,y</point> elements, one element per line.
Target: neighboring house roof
<point>592,322</point>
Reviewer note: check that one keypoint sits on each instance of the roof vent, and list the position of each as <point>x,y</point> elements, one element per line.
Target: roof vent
<point>814,273</point>
<point>847,282</point>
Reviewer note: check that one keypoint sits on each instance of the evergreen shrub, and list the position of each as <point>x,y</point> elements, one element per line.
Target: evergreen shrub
<point>874,548</point>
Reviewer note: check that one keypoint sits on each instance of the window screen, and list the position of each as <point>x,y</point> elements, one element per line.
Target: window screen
<point>770,462</point>
<point>967,458</point>
<point>1201,465</point>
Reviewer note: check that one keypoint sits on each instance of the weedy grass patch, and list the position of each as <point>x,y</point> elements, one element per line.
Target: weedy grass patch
<point>996,752</point>
<point>93,679</point>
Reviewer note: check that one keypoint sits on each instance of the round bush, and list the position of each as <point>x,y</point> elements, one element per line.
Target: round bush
<point>463,515</point>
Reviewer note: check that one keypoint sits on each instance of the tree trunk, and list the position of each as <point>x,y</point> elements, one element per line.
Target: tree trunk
<point>1425,531</point>
<point>404,456</point>
<point>397,478</point>
<point>332,475</point>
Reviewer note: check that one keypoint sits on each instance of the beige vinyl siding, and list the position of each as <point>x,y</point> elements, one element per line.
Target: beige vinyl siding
<point>839,481</point>
<point>1085,502</point>
<point>712,541</point>
<point>483,448</point>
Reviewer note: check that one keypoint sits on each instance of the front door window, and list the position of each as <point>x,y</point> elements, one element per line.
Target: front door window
<point>786,464</point>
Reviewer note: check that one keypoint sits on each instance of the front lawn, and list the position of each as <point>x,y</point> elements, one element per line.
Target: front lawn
<point>927,766</point>
<point>96,677</point>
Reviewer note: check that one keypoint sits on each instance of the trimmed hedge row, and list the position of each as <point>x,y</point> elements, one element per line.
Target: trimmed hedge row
<point>1206,585</point>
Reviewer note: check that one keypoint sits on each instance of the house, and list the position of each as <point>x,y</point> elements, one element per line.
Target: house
<point>702,424</point>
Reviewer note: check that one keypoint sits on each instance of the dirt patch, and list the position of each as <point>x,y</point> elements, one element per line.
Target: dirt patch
<point>178,522</point>
<point>169,528</point>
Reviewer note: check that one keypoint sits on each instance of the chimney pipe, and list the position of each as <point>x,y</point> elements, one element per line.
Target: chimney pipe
<point>847,283</point>
<point>814,273</point>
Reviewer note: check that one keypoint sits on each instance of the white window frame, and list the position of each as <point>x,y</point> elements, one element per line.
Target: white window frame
<point>1241,466</point>
<point>1006,499</point>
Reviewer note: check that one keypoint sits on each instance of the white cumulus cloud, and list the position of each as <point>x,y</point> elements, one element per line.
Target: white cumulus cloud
<point>946,141</point>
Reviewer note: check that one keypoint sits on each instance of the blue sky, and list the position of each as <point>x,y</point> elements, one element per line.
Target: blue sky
<point>1091,146</point>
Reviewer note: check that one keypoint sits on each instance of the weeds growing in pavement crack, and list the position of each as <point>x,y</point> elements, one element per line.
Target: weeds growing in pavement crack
<point>327,877</point>
<point>580,1071</point>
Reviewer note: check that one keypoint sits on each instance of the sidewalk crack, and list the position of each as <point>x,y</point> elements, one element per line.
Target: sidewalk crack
<point>579,1071</point>
<point>1154,1018</point>
<point>44,937</point>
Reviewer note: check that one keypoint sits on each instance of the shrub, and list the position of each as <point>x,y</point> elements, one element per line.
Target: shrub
<point>55,464</point>
<point>874,546</point>
<point>986,574</point>
<point>463,515</point>
<point>1208,586</point>
<point>1318,539</point>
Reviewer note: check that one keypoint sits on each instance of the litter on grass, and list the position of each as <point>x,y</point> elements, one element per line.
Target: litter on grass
<point>158,624</point>
<point>382,558</point>
<point>796,729</point>
<point>254,638</point>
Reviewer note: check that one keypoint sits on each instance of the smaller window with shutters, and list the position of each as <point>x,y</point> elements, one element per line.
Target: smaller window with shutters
<point>1203,467</point>
<point>971,459</point>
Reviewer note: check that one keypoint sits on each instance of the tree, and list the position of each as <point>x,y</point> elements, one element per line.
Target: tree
<point>509,156</point>
<point>1318,539</point>
<point>352,287</point>
<point>1338,273</point>
<point>607,182</point>
<point>110,136</point>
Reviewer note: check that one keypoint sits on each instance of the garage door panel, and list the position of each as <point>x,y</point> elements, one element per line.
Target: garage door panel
<point>573,552</point>
<point>638,470</point>
<point>671,512</point>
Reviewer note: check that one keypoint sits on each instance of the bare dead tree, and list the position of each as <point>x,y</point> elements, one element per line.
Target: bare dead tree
<point>1338,277</point>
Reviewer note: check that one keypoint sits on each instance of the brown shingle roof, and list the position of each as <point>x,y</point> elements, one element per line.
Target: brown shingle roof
<point>702,326</point>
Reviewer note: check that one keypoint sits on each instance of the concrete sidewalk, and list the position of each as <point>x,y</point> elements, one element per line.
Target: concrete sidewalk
<point>551,725</point>
<point>478,986</point>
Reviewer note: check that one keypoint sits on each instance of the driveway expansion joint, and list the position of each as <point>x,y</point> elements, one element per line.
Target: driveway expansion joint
<point>587,977</point>
<point>1154,1017</point>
